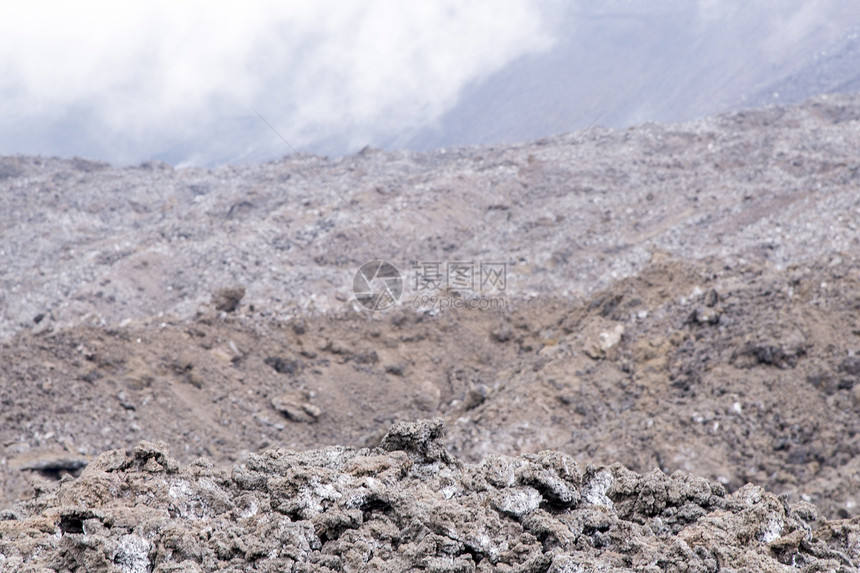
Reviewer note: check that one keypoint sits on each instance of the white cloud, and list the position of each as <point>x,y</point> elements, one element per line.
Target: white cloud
<point>146,76</point>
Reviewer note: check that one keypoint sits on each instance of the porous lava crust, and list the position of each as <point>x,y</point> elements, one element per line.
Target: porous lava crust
<point>407,505</point>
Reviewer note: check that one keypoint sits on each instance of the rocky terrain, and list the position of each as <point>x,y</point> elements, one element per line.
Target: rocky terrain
<point>407,505</point>
<point>85,243</point>
<point>678,298</point>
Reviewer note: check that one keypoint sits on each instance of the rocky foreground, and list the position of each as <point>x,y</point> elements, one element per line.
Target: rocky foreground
<point>408,505</point>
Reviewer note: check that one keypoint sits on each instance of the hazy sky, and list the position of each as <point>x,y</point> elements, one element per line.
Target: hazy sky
<point>183,81</point>
<point>121,80</point>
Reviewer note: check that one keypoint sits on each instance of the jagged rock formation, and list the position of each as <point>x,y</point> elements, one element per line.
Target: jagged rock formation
<point>407,505</point>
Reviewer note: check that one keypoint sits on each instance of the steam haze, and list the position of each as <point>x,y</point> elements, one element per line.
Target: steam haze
<point>183,82</point>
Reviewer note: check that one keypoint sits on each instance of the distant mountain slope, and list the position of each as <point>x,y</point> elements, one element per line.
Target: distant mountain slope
<point>666,61</point>
<point>836,70</point>
<point>567,214</point>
